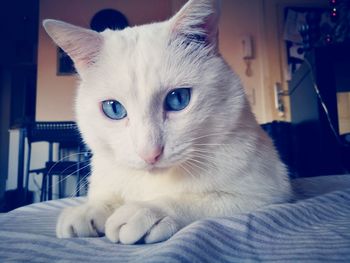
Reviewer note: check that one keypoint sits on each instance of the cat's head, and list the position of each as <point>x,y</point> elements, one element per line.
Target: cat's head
<point>157,95</point>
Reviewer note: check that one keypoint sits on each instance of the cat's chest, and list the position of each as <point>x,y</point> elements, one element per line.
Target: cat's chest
<point>133,185</point>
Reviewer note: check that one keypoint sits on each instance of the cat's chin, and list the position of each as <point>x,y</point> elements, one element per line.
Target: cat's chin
<point>156,170</point>
<point>158,167</point>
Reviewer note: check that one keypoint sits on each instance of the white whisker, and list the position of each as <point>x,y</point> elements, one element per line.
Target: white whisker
<point>71,174</point>
<point>186,170</point>
<point>82,184</point>
<point>206,157</point>
<point>209,135</point>
<point>64,158</point>
<point>209,155</point>
<point>211,144</point>
<point>206,165</point>
<point>67,168</point>
<point>196,163</point>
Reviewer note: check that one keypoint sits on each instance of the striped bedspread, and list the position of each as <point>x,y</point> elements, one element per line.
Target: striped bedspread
<point>315,229</point>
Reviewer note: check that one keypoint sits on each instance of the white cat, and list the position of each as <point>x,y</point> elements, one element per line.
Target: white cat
<point>172,134</point>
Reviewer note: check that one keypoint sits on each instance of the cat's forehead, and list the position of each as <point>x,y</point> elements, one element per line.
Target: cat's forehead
<point>134,58</point>
<point>136,42</point>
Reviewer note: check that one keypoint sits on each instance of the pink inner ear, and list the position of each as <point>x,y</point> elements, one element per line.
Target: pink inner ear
<point>84,52</point>
<point>82,45</point>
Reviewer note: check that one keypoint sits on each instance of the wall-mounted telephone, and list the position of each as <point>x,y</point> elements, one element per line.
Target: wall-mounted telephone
<point>247,53</point>
<point>247,47</point>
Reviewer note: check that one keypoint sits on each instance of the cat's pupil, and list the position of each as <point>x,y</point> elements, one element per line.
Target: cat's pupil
<point>113,109</point>
<point>177,99</point>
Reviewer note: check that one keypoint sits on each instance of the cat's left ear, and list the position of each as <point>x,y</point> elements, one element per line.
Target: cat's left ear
<point>82,45</point>
<point>198,20</point>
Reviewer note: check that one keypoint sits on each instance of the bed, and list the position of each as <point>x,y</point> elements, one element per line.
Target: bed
<point>314,228</point>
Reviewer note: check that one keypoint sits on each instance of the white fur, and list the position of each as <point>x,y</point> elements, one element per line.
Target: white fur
<point>216,160</point>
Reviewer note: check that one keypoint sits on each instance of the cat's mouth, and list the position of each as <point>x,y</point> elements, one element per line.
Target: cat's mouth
<point>161,166</point>
<point>157,168</point>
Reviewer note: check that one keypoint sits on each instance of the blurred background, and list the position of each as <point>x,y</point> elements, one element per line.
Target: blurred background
<point>293,58</point>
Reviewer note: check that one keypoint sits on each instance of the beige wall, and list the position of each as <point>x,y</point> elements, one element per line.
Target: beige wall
<point>344,112</point>
<point>239,19</point>
<point>260,19</point>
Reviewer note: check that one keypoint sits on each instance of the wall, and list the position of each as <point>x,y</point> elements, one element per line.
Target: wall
<point>55,94</point>
<point>239,19</point>
<point>344,112</point>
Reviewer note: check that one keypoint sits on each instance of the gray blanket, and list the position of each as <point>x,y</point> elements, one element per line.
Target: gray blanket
<point>314,229</point>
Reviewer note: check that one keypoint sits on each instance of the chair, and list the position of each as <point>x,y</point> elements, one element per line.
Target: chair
<point>67,136</point>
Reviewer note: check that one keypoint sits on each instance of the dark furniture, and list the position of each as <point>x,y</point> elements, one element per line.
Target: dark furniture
<point>67,136</point>
<point>282,137</point>
<point>19,28</point>
<point>317,148</point>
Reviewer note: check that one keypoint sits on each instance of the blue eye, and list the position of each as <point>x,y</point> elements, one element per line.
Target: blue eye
<point>113,109</point>
<point>177,99</point>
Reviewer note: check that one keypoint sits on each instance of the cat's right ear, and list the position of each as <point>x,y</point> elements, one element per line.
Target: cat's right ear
<point>82,45</point>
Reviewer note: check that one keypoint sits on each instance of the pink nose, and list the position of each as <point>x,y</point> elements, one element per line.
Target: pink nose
<point>152,156</point>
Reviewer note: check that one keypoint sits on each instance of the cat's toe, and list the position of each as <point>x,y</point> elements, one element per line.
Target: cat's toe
<point>119,218</point>
<point>96,219</point>
<point>162,231</point>
<point>64,228</point>
<point>130,223</point>
<point>139,225</point>
<point>82,221</point>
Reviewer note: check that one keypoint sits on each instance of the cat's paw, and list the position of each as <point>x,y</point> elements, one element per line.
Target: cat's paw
<point>82,221</point>
<point>132,223</point>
